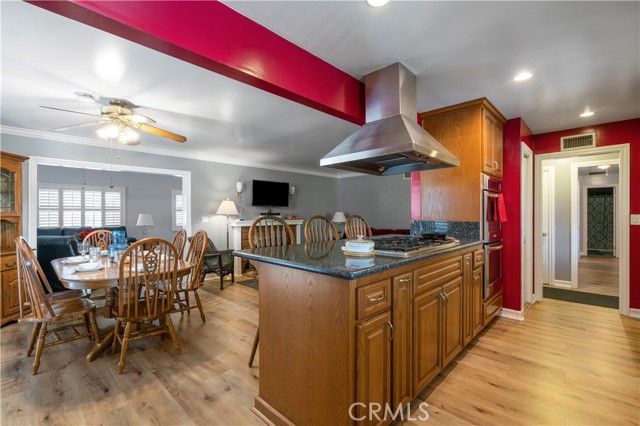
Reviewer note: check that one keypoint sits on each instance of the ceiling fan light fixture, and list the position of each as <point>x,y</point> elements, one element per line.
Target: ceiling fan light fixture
<point>110,131</point>
<point>128,136</point>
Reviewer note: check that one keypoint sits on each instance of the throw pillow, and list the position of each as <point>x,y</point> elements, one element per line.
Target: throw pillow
<point>84,233</point>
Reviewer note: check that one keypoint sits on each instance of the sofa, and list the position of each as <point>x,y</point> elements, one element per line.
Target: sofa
<point>54,243</point>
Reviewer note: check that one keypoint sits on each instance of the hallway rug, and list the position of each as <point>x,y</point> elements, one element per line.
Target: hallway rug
<point>581,297</point>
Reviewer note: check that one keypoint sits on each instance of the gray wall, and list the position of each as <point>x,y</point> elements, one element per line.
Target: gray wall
<point>385,201</point>
<point>562,214</point>
<point>145,193</point>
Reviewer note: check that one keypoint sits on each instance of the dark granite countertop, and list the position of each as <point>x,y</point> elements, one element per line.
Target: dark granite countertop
<point>327,258</point>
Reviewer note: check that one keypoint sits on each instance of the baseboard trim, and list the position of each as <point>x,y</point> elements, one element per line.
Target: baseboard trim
<point>634,313</point>
<point>512,314</point>
<point>561,283</point>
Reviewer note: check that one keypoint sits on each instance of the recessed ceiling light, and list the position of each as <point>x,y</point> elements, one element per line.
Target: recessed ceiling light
<point>587,114</point>
<point>109,65</point>
<point>377,3</point>
<point>523,76</point>
<point>604,167</point>
<point>85,97</point>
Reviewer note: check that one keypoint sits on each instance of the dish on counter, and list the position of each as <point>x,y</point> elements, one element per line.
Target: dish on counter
<point>359,245</point>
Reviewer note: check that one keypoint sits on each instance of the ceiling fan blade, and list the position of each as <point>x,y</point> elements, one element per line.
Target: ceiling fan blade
<point>94,123</point>
<point>68,110</point>
<point>161,132</point>
<point>137,118</point>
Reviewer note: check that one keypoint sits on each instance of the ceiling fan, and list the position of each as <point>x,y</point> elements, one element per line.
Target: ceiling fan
<point>118,121</point>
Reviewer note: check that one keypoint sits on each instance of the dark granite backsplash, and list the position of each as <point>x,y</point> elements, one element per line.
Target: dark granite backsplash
<point>453,229</point>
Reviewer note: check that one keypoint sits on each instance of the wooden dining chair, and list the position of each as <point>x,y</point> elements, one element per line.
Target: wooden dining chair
<point>268,231</point>
<point>356,225</point>
<point>99,238</point>
<point>146,285</point>
<point>319,228</point>
<point>180,241</point>
<point>59,316</point>
<point>192,282</point>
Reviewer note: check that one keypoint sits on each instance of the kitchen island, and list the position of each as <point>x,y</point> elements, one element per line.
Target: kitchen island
<point>340,335</point>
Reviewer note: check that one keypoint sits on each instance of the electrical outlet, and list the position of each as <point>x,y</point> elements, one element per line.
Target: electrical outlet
<point>205,219</point>
<point>635,219</point>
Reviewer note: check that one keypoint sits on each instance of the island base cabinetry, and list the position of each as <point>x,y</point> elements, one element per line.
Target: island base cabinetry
<point>357,352</point>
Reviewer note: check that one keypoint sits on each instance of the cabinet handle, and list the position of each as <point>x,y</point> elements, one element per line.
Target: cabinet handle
<point>495,248</point>
<point>404,280</point>
<point>496,166</point>
<point>376,299</point>
<point>392,330</point>
<point>443,300</point>
<point>9,265</point>
<point>7,295</point>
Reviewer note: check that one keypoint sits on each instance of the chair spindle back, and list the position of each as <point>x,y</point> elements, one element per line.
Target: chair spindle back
<point>319,228</point>
<point>270,231</point>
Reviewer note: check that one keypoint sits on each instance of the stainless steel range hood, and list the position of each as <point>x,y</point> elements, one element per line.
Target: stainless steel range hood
<point>391,142</point>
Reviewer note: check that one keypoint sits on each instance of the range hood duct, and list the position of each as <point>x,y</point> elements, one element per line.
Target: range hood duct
<point>391,142</point>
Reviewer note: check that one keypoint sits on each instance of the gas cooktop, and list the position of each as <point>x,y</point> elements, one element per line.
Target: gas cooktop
<point>407,246</point>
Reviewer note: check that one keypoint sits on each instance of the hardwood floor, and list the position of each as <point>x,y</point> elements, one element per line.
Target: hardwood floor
<point>565,364</point>
<point>599,275</point>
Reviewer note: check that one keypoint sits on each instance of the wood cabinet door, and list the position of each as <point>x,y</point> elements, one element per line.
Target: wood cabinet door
<point>476,301</point>
<point>452,317</point>
<point>401,342</point>
<point>497,148</point>
<point>427,359</point>
<point>467,284</point>
<point>488,127</point>
<point>373,368</point>
<point>10,296</point>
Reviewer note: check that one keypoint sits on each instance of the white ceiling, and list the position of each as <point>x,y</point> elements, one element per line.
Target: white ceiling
<point>582,54</point>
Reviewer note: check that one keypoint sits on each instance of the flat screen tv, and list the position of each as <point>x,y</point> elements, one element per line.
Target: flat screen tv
<point>270,194</point>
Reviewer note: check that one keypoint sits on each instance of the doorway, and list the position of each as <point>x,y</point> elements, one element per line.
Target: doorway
<point>585,190</point>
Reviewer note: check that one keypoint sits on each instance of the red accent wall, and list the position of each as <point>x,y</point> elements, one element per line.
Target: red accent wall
<point>616,133</point>
<point>514,132</point>
<point>213,36</point>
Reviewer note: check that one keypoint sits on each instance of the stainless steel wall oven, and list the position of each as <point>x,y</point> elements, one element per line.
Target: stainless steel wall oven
<point>492,235</point>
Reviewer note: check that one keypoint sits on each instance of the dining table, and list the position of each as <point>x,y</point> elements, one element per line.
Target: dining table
<point>106,278</point>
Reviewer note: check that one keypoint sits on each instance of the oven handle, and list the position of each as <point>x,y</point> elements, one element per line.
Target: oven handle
<point>491,195</point>
<point>495,248</point>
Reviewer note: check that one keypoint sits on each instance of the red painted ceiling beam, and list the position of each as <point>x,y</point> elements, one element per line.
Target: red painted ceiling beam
<point>211,35</point>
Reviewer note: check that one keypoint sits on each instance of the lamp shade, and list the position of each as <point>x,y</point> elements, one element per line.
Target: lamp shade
<point>339,217</point>
<point>239,186</point>
<point>144,219</point>
<point>227,207</point>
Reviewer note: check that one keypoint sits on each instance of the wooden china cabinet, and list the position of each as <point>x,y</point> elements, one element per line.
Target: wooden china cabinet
<point>10,228</point>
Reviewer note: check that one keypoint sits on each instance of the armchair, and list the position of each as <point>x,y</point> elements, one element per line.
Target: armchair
<point>217,261</point>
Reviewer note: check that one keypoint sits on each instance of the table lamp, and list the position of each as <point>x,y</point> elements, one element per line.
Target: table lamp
<point>227,208</point>
<point>339,218</point>
<point>144,220</point>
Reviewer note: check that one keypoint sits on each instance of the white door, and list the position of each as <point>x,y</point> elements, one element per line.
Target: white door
<point>546,220</point>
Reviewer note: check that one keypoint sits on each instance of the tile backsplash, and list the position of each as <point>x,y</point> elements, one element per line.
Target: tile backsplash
<point>453,229</point>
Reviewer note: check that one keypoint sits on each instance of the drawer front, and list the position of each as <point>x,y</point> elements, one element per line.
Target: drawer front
<point>8,262</point>
<point>478,258</point>
<point>437,273</point>
<point>491,307</point>
<point>374,298</point>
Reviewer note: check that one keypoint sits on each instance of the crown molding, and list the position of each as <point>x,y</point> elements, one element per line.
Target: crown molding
<point>99,143</point>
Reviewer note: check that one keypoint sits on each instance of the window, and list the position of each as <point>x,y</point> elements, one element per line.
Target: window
<point>76,206</point>
<point>177,210</point>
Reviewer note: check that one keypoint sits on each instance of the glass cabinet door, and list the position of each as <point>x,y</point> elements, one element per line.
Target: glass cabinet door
<point>7,189</point>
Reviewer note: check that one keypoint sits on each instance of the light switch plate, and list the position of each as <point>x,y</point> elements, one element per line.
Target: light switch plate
<point>205,219</point>
<point>635,219</point>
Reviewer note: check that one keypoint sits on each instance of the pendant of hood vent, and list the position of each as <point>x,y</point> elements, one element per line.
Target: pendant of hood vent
<point>391,142</point>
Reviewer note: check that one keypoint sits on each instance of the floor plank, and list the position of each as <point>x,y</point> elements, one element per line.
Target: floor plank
<point>564,364</point>
<point>599,275</point>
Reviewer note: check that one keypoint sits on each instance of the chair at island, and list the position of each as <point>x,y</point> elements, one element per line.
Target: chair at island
<point>319,228</point>
<point>356,225</point>
<point>52,314</point>
<point>268,231</point>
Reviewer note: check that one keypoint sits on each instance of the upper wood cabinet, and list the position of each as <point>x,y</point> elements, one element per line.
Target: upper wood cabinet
<point>472,131</point>
<point>10,228</point>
